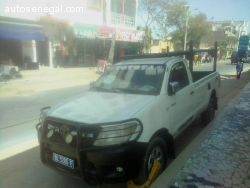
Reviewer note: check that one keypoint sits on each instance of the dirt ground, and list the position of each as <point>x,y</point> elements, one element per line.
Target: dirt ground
<point>47,79</point>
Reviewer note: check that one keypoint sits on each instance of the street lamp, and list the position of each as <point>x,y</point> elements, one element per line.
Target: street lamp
<point>185,38</point>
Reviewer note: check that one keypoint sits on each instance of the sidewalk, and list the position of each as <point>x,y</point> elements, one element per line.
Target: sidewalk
<point>217,157</point>
<point>47,78</point>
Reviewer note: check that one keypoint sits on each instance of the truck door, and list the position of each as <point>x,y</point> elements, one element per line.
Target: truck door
<point>182,102</point>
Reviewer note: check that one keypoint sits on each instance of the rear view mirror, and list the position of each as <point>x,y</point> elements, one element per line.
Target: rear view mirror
<point>175,87</point>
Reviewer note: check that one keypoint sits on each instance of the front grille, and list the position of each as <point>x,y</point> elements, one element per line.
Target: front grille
<point>63,133</point>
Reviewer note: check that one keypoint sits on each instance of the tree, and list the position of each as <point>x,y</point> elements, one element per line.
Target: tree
<point>199,27</point>
<point>222,47</point>
<point>168,18</point>
<point>149,12</point>
<point>147,39</point>
<point>232,42</point>
<point>174,18</point>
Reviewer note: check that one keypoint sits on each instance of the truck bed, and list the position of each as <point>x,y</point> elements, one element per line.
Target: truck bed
<point>200,74</point>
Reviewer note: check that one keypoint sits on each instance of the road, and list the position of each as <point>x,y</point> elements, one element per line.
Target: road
<point>20,164</point>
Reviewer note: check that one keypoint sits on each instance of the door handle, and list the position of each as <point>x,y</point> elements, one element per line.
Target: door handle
<point>173,104</point>
<point>192,92</point>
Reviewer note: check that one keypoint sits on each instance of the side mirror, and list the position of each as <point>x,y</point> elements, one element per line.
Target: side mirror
<point>175,87</point>
<point>91,83</point>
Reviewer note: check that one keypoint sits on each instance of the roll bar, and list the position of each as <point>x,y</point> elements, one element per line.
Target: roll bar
<point>189,54</point>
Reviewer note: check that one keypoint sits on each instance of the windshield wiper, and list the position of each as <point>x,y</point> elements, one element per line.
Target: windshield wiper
<point>100,89</point>
<point>124,90</point>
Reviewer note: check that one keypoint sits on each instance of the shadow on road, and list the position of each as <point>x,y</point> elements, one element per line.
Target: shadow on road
<point>26,170</point>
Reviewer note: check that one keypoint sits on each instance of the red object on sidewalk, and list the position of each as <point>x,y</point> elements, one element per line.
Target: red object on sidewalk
<point>101,65</point>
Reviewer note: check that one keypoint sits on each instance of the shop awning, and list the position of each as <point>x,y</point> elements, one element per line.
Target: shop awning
<point>12,30</point>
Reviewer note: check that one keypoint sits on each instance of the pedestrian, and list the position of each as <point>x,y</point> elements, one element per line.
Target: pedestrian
<point>57,56</point>
<point>239,67</point>
<point>63,55</point>
<point>199,58</point>
<point>74,56</point>
<point>195,59</point>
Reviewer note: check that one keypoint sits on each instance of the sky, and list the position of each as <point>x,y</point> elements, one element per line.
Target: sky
<point>218,10</point>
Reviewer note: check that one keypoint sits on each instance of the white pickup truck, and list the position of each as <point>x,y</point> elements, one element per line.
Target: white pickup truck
<point>130,116</point>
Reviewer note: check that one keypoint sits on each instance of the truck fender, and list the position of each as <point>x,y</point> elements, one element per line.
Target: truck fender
<point>169,141</point>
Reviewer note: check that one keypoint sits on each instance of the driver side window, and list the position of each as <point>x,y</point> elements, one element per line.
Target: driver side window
<point>178,74</point>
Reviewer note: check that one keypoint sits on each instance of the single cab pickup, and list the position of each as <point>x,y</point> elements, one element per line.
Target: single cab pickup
<point>130,116</point>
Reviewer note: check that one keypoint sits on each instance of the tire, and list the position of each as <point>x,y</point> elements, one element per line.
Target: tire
<point>156,149</point>
<point>208,115</point>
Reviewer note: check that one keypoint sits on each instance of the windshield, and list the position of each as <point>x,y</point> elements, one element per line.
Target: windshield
<point>131,79</point>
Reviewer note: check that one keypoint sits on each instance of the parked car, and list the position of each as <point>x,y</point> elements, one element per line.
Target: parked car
<point>234,57</point>
<point>129,117</point>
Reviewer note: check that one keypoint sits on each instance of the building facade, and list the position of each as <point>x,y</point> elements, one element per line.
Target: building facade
<point>160,46</point>
<point>222,30</point>
<point>225,31</point>
<point>86,36</point>
<point>236,28</point>
<point>115,19</point>
<point>18,41</point>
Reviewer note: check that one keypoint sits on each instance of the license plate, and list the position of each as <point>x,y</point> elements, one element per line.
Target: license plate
<point>63,160</point>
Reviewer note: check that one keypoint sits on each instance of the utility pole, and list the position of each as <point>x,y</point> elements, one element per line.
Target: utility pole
<point>185,38</point>
<point>186,26</point>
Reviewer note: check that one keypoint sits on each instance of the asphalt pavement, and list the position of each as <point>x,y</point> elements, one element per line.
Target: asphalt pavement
<point>219,156</point>
<point>45,79</point>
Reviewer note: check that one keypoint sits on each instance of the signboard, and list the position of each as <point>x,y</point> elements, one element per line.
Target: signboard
<point>84,30</point>
<point>106,32</point>
<point>101,65</point>
<point>129,35</point>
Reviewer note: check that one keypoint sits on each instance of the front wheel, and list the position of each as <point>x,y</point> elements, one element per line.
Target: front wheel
<point>208,115</point>
<point>156,150</point>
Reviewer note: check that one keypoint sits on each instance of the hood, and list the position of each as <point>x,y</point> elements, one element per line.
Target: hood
<point>99,107</point>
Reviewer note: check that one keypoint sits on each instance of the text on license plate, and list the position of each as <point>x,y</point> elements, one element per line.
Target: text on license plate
<point>63,160</point>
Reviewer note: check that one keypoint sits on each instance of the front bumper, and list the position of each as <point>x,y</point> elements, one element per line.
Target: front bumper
<point>109,164</point>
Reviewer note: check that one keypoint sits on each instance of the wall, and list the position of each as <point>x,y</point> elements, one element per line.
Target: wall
<point>161,47</point>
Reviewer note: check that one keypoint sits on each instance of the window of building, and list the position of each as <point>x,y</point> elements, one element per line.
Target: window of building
<point>95,4</point>
<point>129,8</point>
<point>116,6</point>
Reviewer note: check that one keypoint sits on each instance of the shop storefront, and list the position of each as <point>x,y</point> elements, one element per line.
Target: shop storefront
<point>93,43</point>
<point>128,42</point>
<point>18,42</point>
<point>84,44</point>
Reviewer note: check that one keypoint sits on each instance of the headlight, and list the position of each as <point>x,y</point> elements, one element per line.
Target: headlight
<point>118,133</point>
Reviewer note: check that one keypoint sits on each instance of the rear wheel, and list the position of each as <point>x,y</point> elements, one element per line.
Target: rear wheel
<point>156,150</point>
<point>208,115</point>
